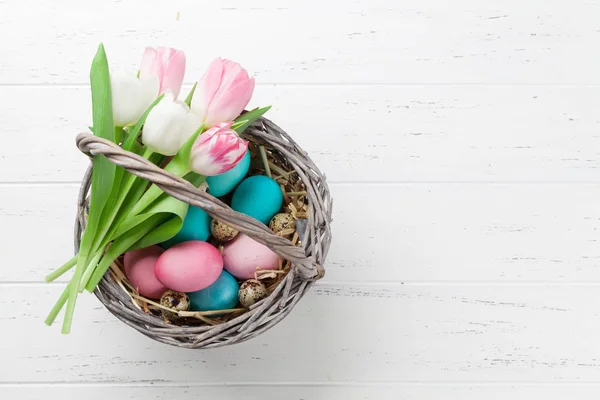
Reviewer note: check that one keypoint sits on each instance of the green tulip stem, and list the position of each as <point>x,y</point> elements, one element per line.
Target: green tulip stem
<point>119,134</point>
<point>57,273</point>
<point>89,270</point>
<point>58,306</point>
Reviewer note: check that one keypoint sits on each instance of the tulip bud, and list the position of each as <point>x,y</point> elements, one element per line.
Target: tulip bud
<point>167,64</point>
<point>168,126</point>
<point>222,93</point>
<point>131,96</point>
<point>217,150</point>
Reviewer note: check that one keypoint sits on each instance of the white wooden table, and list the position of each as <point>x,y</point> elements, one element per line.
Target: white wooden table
<point>462,144</point>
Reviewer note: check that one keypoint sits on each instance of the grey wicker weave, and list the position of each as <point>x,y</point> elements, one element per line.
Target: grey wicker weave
<point>307,259</point>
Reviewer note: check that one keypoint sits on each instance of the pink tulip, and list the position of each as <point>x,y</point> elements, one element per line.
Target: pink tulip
<point>222,93</point>
<point>217,150</point>
<point>167,64</point>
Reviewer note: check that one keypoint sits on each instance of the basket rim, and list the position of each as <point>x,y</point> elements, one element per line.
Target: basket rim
<point>306,268</point>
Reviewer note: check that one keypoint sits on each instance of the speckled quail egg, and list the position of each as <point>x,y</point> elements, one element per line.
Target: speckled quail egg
<point>282,221</point>
<point>251,292</point>
<point>221,231</point>
<point>174,300</point>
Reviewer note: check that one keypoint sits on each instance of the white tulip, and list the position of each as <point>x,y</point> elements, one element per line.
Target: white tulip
<point>131,96</point>
<point>169,125</point>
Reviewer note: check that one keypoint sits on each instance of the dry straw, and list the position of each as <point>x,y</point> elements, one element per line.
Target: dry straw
<point>304,263</point>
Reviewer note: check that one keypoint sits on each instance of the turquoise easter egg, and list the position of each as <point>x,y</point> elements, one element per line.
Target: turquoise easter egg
<point>196,226</point>
<point>221,295</point>
<point>220,185</point>
<point>259,197</point>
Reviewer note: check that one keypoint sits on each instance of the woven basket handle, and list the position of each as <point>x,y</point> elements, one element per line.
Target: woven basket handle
<point>185,191</point>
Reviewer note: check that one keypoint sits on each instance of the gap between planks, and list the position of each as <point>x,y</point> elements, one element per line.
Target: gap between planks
<point>299,383</point>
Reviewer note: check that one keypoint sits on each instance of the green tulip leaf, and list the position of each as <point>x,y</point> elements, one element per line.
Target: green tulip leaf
<point>246,119</point>
<point>239,124</point>
<point>188,99</point>
<point>103,174</point>
<point>172,226</point>
<point>122,184</point>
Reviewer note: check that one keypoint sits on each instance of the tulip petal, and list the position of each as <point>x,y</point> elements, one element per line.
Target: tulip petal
<point>224,127</point>
<point>192,123</point>
<point>167,64</point>
<point>150,65</point>
<point>165,128</point>
<point>131,96</point>
<point>217,151</point>
<point>173,73</point>
<point>233,74</point>
<point>228,152</point>
<point>228,105</point>
<point>165,54</point>
<point>207,87</point>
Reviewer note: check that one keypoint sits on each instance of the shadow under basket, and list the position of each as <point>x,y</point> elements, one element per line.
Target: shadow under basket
<point>303,259</point>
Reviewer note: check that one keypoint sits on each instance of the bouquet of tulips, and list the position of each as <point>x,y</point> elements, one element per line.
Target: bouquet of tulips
<point>193,139</point>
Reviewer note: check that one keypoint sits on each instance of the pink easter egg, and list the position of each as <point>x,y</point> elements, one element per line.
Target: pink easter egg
<point>189,266</point>
<point>243,255</point>
<point>139,268</point>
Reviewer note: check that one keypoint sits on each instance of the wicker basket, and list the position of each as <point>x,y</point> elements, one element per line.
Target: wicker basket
<point>306,260</point>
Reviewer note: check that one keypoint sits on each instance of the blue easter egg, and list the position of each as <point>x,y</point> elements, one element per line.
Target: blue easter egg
<point>221,295</point>
<point>220,185</point>
<point>196,226</point>
<point>259,197</point>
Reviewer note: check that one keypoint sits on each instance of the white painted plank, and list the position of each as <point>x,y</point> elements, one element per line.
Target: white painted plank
<point>308,392</point>
<point>359,133</point>
<point>337,334</point>
<point>452,232</point>
<point>548,41</point>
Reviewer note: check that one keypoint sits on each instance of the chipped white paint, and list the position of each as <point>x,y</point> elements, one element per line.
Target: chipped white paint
<point>324,391</point>
<point>341,333</point>
<point>426,233</point>
<point>461,141</point>
<point>355,41</point>
<point>389,133</point>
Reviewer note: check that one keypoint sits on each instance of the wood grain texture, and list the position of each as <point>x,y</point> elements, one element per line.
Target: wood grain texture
<point>462,142</point>
<point>346,333</point>
<point>346,391</point>
<point>440,233</point>
<point>359,133</point>
<point>356,41</point>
